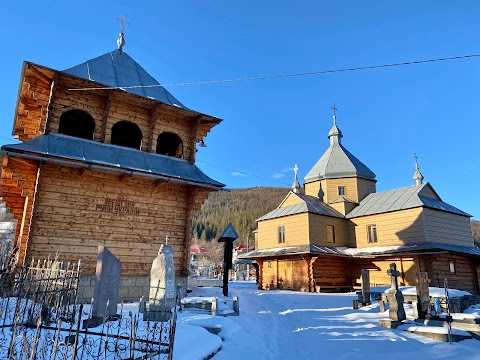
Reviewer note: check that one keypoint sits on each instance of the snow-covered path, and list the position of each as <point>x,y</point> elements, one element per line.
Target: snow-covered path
<point>292,325</point>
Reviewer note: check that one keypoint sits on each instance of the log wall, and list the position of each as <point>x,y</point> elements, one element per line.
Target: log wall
<point>378,267</point>
<point>286,273</point>
<point>464,278</point>
<point>17,188</point>
<point>77,211</point>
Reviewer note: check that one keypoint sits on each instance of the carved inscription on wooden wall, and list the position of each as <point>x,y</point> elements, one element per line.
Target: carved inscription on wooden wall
<point>118,206</point>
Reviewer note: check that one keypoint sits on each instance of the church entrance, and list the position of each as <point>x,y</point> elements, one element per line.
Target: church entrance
<point>285,274</point>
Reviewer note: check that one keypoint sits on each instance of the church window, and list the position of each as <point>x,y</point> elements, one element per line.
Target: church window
<point>341,190</point>
<point>451,266</point>
<point>281,234</point>
<point>170,144</point>
<point>331,234</point>
<point>372,233</point>
<point>77,123</point>
<point>125,133</point>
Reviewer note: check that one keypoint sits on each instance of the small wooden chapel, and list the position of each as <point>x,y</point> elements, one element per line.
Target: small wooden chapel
<point>319,238</point>
<point>107,157</point>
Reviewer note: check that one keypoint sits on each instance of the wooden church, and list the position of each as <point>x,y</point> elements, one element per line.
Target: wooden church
<point>321,239</point>
<point>107,157</point>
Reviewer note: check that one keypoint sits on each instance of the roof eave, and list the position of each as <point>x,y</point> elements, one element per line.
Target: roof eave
<point>122,170</point>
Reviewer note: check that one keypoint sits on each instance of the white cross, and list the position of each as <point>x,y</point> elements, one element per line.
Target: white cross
<point>295,169</point>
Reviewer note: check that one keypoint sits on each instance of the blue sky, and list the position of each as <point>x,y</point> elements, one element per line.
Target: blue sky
<point>386,115</point>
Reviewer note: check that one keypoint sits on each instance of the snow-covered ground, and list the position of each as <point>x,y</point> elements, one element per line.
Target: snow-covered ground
<point>294,325</point>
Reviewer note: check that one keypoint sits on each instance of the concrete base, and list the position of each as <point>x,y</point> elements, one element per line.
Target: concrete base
<point>156,316</point>
<point>470,325</point>
<point>95,321</point>
<point>389,323</point>
<point>441,337</point>
<point>132,288</point>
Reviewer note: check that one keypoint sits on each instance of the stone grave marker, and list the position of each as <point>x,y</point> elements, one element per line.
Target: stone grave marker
<point>423,294</point>
<point>366,286</point>
<point>396,312</point>
<point>395,296</point>
<point>107,285</point>
<point>162,286</point>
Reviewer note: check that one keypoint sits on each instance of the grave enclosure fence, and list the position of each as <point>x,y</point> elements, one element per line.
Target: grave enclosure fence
<point>40,319</point>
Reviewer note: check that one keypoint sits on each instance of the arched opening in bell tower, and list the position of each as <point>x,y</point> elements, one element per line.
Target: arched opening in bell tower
<point>169,144</point>
<point>77,123</point>
<point>125,133</point>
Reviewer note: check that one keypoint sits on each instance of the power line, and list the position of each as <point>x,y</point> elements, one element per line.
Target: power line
<point>269,77</point>
<point>243,173</point>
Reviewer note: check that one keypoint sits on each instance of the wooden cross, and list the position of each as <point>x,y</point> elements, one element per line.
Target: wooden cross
<point>123,21</point>
<point>394,274</point>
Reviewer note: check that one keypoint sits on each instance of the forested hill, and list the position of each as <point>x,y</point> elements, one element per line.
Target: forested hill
<point>241,207</point>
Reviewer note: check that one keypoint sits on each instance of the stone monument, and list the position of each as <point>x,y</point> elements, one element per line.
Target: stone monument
<point>107,285</point>
<point>423,294</point>
<point>162,286</point>
<point>396,313</point>
<point>395,296</point>
<point>365,286</point>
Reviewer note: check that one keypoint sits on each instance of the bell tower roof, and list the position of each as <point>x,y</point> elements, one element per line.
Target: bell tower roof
<point>337,161</point>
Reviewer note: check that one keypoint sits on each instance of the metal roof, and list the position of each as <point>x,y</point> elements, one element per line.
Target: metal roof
<point>294,250</point>
<point>118,69</point>
<point>400,199</point>
<point>92,152</point>
<point>310,204</point>
<point>338,162</point>
<point>361,253</point>
<point>411,248</point>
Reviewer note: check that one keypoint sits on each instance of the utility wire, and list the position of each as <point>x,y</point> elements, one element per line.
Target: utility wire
<point>359,68</point>
<point>243,173</point>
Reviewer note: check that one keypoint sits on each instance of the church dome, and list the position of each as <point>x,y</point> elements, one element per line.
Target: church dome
<point>338,162</point>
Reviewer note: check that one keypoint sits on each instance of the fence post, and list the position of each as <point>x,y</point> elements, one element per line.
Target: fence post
<point>79,321</point>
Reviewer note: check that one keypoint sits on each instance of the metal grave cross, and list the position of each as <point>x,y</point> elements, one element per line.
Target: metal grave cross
<point>394,274</point>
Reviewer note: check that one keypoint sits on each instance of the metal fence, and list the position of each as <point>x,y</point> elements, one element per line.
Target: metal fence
<point>40,319</point>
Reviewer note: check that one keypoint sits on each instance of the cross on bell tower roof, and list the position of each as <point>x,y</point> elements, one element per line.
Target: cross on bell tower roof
<point>121,39</point>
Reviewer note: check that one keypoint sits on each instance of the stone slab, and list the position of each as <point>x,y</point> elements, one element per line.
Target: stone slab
<point>389,324</point>
<point>441,337</point>
<point>107,284</point>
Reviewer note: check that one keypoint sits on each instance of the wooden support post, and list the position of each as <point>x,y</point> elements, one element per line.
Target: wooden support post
<point>106,111</point>
<point>193,139</point>
<point>151,126</point>
<point>260,271</point>
<point>51,99</point>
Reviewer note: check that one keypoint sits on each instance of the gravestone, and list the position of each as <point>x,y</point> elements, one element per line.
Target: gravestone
<point>366,286</point>
<point>107,285</point>
<point>423,294</point>
<point>162,286</point>
<point>395,296</point>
